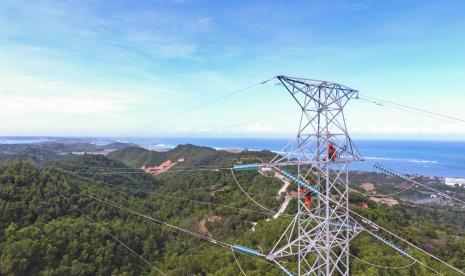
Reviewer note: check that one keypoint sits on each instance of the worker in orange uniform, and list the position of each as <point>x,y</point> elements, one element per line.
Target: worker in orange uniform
<point>332,152</point>
<point>307,197</point>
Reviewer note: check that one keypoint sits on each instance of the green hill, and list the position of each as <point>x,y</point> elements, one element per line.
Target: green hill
<point>61,147</point>
<point>193,156</point>
<point>45,231</point>
<point>32,154</point>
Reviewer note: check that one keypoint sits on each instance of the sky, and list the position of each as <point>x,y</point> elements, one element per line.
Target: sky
<point>126,68</point>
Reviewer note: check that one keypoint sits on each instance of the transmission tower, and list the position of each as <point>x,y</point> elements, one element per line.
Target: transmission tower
<point>317,161</point>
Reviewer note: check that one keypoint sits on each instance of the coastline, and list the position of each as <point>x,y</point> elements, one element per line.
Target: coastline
<point>429,158</point>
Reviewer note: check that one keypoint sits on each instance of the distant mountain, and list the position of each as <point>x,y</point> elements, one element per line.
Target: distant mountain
<point>42,153</point>
<point>34,155</point>
<point>190,154</point>
<point>116,145</point>
<point>62,147</point>
<point>50,146</point>
<point>101,168</point>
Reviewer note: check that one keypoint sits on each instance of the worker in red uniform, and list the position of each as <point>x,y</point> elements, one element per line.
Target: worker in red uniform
<point>307,197</point>
<point>332,152</point>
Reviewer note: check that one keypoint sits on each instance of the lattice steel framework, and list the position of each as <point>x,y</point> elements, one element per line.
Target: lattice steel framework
<point>318,237</point>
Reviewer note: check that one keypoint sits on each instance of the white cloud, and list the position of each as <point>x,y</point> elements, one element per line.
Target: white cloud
<point>182,129</point>
<point>26,95</point>
<point>12,105</point>
<point>205,21</point>
<point>258,128</point>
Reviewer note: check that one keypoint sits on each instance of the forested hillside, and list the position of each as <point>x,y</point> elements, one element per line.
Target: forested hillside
<point>47,228</point>
<point>42,153</point>
<point>34,155</point>
<point>192,155</point>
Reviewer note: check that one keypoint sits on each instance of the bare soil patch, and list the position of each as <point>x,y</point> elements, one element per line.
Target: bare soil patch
<point>368,187</point>
<point>385,200</point>
<point>163,167</point>
<point>202,225</point>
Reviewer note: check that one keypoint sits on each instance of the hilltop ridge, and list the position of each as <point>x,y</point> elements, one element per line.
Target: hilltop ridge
<point>193,156</point>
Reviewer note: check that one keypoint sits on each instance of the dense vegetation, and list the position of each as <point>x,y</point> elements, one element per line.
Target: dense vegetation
<point>44,228</point>
<point>193,156</point>
<point>42,153</point>
<point>61,147</point>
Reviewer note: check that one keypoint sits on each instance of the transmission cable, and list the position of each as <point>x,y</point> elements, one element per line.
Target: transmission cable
<point>400,238</point>
<point>121,242</point>
<point>246,122</point>
<point>422,185</point>
<point>396,236</point>
<point>381,266</point>
<point>169,196</point>
<point>416,109</point>
<point>395,193</point>
<point>235,92</point>
<point>129,170</point>
<point>409,256</point>
<point>138,169</point>
<point>112,236</point>
<point>253,200</point>
<point>411,111</point>
<point>383,195</point>
<point>237,262</point>
<point>115,205</point>
<point>271,212</point>
<point>432,115</point>
<point>143,172</point>
<point>407,242</point>
<point>391,233</point>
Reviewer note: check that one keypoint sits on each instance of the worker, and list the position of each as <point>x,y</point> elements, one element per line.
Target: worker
<point>332,152</point>
<point>307,197</point>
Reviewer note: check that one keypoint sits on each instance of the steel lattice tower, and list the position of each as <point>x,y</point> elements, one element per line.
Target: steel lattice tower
<point>318,237</point>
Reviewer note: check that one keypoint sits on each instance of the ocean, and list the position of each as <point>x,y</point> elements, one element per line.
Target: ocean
<point>430,158</point>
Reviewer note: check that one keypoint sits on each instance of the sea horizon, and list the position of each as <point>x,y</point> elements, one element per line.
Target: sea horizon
<point>434,158</point>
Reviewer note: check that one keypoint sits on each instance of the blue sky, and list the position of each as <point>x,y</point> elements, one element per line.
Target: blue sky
<point>105,68</point>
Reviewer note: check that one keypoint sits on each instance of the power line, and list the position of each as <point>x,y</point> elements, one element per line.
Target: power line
<point>412,111</point>
<point>349,210</point>
<point>392,172</point>
<point>180,229</point>
<point>396,236</point>
<point>391,233</point>
<point>235,92</point>
<point>113,236</point>
<point>171,197</point>
<point>174,197</point>
<point>140,170</point>
<point>407,255</point>
<point>384,195</point>
<point>121,242</point>
<point>400,238</point>
<point>381,266</point>
<point>407,242</point>
<point>416,110</point>
<point>253,200</point>
<point>113,204</point>
<point>379,227</point>
<point>237,262</point>
<point>143,172</point>
<point>247,122</point>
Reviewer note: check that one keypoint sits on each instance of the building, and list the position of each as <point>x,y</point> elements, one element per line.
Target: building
<point>452,181</point>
